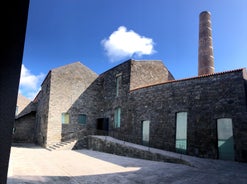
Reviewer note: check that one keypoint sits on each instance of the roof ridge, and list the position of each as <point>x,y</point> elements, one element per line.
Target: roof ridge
<point>191,78</point>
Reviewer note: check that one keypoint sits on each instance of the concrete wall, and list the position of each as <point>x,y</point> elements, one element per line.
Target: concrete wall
<point>13,30</point>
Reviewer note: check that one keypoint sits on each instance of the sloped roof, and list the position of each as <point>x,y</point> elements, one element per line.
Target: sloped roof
<point>71,65</point>
<point>148,72</point>
<point>22,102</point>
<point>196,77</point>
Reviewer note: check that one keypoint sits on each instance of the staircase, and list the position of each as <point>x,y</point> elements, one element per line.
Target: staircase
<point>65,145</point>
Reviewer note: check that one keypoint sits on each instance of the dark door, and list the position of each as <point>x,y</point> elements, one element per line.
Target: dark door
<point>103,126</point>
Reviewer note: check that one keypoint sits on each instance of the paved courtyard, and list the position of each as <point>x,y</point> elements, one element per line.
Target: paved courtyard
<point>32,164</point>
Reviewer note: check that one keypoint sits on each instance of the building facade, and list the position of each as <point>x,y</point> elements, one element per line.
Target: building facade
<point>60,89</point>
<point>141,102</point>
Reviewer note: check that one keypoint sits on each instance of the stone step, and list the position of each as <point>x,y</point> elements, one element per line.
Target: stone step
<point>66,145</point>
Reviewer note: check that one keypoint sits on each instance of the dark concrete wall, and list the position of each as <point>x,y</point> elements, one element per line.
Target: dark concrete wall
<point>13,28</point>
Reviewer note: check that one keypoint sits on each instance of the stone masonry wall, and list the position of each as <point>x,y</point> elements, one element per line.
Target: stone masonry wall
<point>67,84</point>
<point>42,103</point>
<point>89,104</point>
<point>144,73</point>
<point>205,99</point>
<point>22,103</point>
<point>24,129</point>
<point>110,100</point>
<point>133,74</point>
<point>101,144</point>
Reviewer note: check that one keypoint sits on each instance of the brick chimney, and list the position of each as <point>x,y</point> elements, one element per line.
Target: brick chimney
<point>205,51</point>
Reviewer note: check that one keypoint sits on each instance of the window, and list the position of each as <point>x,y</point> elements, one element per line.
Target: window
<point>65,118</point>
<point>145,132</point>
<point>118,81</point>
<point>181,132</point>
<point>117,117</point>
<point>16,110</point>
<point>82,118</point>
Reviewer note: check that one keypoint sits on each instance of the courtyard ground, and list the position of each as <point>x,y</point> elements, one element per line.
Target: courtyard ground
<point>33,164</point>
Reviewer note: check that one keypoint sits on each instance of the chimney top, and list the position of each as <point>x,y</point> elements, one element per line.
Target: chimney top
<point>205,12</point>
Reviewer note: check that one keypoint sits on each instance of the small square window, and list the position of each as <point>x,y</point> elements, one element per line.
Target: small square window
<point>82,119</point>
<point>65,118</point>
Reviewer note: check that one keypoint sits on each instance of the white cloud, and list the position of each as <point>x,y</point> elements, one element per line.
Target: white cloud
<point>123,43</point>
<point>29,83</point>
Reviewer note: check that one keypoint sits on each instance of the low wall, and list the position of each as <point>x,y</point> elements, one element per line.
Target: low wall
<point>113,146</point>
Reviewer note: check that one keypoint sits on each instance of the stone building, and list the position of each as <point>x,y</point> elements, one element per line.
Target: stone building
<point>25,120</point>
<point>203,116</point>
<point>141,102</point>
<point>22,103</point>
<point>60,89</point>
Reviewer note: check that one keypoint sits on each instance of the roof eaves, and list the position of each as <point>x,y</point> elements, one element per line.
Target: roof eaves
<point>190,78</point>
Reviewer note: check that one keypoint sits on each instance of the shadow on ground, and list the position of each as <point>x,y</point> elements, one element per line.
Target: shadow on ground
<point>91,167</point>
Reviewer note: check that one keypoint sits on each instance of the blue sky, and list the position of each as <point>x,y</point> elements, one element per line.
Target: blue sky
<point>103,33</point>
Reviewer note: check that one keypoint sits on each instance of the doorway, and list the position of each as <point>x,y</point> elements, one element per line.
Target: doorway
<point>225,139</point>
<point>181,132</point>
<point>102,126</point>
<point>145,132</point>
